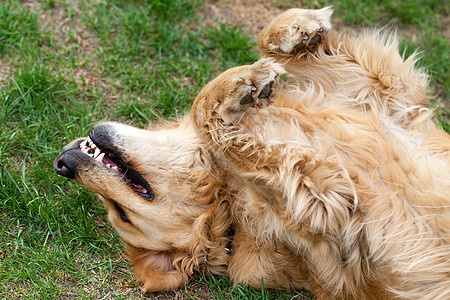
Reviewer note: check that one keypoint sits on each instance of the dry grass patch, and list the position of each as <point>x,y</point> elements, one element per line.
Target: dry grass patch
<point>72,37</point>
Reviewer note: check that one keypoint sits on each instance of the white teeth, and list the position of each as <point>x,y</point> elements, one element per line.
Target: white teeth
<point>100,157</point>
<point>90,142</point>
<point>114,168</point>
<point>83,143</point>
<point>108,165</point>
<point>97,152</point>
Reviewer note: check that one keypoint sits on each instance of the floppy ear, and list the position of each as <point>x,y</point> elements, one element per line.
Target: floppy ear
<point>155,269</point>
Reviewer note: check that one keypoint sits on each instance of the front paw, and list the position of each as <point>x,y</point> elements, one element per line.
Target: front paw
<point>256,86</point>
<point>263,79</point>
<point>236,91</point>
<point>296,31</point>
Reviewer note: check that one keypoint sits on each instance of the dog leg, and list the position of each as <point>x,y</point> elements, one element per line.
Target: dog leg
<point>223,101</point>
<point>362,70</point>
<point>231,114</point>
<point>271,264</point>
<point>236,95</point>
<point>295,32</point>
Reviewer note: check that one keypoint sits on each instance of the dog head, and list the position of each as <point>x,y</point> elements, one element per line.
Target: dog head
<point>158,191</point>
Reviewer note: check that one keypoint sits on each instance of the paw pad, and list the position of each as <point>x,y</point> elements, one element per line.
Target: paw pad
<point>264,98</point>
<point>265,92</point>
<point>247,99</point>
<point>308,44</point>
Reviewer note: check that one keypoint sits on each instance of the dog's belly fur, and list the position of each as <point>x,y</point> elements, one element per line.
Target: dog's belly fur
<point>361,169</point>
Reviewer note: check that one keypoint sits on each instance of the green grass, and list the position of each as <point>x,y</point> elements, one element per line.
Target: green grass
<point>17,26</point>
<point>148,57</point>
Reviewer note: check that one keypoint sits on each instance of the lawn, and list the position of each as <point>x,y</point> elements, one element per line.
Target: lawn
<point>65,65</point>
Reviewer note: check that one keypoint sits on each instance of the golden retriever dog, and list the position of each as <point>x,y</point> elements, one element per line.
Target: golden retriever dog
<point>333,178</point>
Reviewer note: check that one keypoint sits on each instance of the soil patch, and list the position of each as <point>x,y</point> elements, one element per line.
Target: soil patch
<point>70,34</point>
<point>4,71</point>
<point>250,14</point>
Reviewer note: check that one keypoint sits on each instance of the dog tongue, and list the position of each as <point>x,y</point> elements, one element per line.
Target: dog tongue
<point>139,188</point>
<point>108,161</point>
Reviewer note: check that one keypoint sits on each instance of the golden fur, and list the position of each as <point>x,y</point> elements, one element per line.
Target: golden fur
<point>340,187</point>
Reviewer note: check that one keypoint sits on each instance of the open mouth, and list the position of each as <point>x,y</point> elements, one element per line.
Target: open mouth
<point>112,160</point>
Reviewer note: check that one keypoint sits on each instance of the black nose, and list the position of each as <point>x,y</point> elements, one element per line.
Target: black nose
<point>62,168</point>
<point>67,162</point>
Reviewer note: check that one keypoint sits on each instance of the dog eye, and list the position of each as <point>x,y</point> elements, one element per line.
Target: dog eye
<point>122,214</point>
